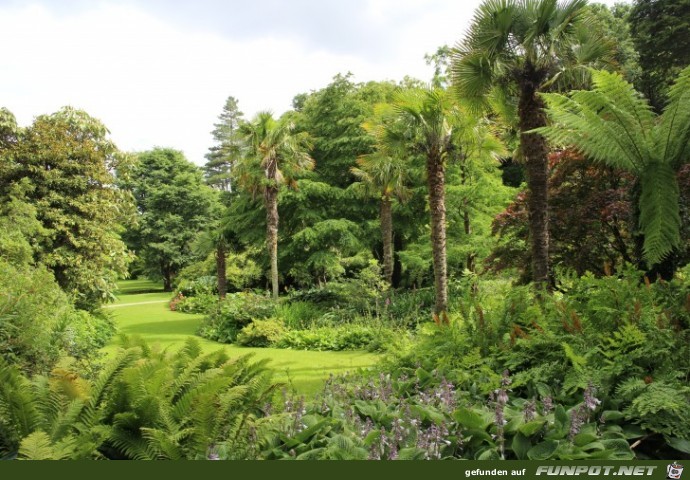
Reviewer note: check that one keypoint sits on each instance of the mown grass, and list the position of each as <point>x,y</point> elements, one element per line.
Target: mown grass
<point>147,315</point>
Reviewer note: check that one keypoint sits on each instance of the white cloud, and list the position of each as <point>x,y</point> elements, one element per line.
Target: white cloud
<point>155,83</point>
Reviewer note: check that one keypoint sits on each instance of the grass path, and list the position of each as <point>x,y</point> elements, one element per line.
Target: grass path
<point>147,315</point>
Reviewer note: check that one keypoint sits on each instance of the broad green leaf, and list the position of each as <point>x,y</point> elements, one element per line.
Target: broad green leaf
<point>469,419</point>
<point>680,444</point>
<point>543,450</point>
<point>521,445</point>
<point>530,428</point>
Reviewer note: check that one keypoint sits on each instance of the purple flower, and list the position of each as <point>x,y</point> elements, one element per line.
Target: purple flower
<point>578,416</point>
<point>591,402</point>
<point>530,411</point>
<point>547,404</point>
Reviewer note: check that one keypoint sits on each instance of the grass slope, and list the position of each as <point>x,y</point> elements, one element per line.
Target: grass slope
<point>142,309</point>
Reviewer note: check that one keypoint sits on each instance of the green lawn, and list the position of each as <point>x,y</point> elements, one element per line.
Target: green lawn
<point>147,315</point>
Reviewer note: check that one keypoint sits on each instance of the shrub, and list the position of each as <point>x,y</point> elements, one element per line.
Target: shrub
<point>341,337</point>
<point>39,324</point>
<point>261,333</point>
<point>299,315</point>
<point>201,303</point>
<point>206,285</point>
<point>234,313</point>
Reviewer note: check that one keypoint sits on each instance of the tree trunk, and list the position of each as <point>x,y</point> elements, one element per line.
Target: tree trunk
<point>471,257</point>
<point>272,235</point>
<point>436,178</point>
<point>535,154</point>
<point>387,236</point>
<point>167,279</point>
<point>220,270</point>
<point>466,218</point>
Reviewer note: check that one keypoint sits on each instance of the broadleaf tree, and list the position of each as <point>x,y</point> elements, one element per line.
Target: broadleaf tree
<point>64,164</point>
<point>174,206</point>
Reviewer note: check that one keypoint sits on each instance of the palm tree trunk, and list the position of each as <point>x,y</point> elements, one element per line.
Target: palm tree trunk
<point>220,270</point>
<point>272,235</point>
<point>387,235</point>
<point>471,257</point>
<point>535,153</point>
<point>466,217</point>
<point>436,177</point>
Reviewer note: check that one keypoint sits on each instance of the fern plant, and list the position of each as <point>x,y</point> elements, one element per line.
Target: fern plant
<point>614,124</point>
<point>183,406</point>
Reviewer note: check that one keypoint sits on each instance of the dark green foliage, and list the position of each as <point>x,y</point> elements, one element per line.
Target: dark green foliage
<point>174,206</point>
<point>417,414</point>
<point>615,126</point>
<point>658,29</point>
<point>334,116</point>
<point>591,220</point>
<point>234,313</point>
<point>222,157</point>
<point>61,167</point>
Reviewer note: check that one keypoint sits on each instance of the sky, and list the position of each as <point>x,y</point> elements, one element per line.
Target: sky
<point>158,72</point>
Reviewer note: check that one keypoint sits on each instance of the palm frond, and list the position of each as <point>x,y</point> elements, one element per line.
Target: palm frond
<point>474,76</point>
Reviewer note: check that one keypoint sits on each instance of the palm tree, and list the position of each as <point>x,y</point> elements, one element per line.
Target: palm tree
<point>424,119</point>
<point>274,154</point>
<point>527,47</point>
<point>216,239</point>
<point>384,174</point>
<point>614,125</point>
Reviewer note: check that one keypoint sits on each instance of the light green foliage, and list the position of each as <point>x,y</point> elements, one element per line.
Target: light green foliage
<point>62,167</point>
<point>334,116</point>
<point>353,336</point>
<point>261,333</point>
<point>174,206</point>
<point>613,124</point>
<point>613,23</point>
<point>144,405</point>
<point>39,324</point>
<point>20,230</point>
<point>240,269</point>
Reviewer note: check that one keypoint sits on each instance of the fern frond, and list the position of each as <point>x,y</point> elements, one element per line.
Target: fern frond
<point>19,406</point>
<point>37,446</point>
<point>673,132</point>
<point>659,215</point>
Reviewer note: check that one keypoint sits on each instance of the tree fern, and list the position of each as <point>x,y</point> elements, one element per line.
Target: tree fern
<point>673,132</point>
<point>659,213</point>
<point>614,125</point>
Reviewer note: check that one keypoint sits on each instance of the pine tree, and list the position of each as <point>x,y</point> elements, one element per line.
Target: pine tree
<point>222,156</point>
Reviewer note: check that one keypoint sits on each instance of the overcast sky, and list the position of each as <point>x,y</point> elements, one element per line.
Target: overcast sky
<point>157,72</point>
